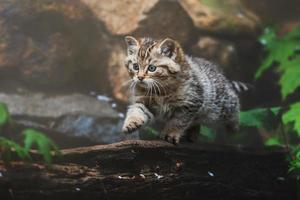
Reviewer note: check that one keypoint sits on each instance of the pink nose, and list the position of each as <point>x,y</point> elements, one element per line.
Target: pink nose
<point>141,78</point>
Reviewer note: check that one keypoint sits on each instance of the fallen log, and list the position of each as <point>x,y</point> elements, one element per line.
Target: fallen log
<point>153,170</point>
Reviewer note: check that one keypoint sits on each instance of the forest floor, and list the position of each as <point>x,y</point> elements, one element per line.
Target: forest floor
<point>139,169</point>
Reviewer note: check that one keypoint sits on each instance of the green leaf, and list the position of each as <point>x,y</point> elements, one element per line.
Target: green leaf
<point>9,146</point>
<point>268,36</point>
<point>294,34</point>
<point>259,117</point>
<point>279,49</point>
<point>272,141</point>
<point>267,63</point>
<point>208,133</point>
<point>293,116</point>
<point>294,163</point>
<point>44,144</point>
<point>290,79</point>
<point>4,114</point>
<point>152,131</point>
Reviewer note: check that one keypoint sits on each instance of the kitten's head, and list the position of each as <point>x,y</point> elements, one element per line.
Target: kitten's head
<point>154,64</point>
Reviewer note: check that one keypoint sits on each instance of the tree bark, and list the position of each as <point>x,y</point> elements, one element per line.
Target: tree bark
<point>152,170</point>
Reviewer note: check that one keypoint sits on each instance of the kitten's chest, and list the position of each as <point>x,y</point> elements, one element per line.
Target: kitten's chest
<point>163,107</point>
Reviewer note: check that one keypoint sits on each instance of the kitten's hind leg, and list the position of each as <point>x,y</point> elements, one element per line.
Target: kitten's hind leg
<point>137,116</point>
<point>232,116</point>
<point>232,127</point>
<point>232,123</point>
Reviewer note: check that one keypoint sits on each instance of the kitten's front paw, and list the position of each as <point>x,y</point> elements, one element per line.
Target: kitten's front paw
<point>131,124</point>
<point>173,137</point>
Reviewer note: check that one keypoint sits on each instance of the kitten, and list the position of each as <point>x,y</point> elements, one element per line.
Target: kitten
<point>183,90</point>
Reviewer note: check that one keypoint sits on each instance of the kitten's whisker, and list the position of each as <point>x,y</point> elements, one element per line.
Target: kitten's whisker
<point>126,83</point>
<point>148,89</point>
<point>161,85</point>
<point>157,86</point>
<point>151,91</point>
<point>134,87</point>
<point>131,87</point>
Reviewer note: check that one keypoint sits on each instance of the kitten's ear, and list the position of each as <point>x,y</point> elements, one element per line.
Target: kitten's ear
<point>168,48</point>
<point>132,44</point>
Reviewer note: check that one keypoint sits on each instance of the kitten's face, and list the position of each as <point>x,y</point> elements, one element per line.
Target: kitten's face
<point>153,65</point>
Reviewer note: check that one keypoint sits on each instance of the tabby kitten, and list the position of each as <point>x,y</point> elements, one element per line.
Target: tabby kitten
<point>183,90</point>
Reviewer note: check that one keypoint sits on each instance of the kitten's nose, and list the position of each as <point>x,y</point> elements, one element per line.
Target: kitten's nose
<point>141,78</point>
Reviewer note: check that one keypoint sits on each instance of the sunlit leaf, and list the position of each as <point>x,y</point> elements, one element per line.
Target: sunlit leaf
<point>208,133</point>
<point>259,117</point>
<point>294,34</point>
<point>9,146</point>
<point>44,144</point>
<point>293,116</point>
<point>279,49</point>
<point>295,162</point>
<point>4,114</point>
<point>267,63</point>
<point>290,79</point>
<point>272,141</point>
<point>268,36</point>
<point>152,131</point>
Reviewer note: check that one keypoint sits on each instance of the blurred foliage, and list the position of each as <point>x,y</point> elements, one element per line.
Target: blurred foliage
<point>208,133</point>
<point>45,145</point>
<point>273,141</point>
<point>293,116</point>
<point>283,56</point>
<point>295,162</point>
<point>260,117</point>
<point>7,147</point>
<point>4,115</point>
<point>152,132</point>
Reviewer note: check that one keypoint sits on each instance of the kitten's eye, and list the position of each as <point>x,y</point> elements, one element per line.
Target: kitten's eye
<point>135,66</point>
<point>151,68</point>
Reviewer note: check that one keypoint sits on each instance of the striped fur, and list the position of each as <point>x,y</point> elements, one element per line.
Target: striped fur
<point>182,90</point>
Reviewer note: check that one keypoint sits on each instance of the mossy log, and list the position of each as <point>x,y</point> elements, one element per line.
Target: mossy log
<point>152,170</point>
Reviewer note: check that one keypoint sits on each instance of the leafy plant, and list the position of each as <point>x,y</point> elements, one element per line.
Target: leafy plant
<point>8,146</point>
<point>44,144</point>
<point>259,117</point>
<point>283,55</point>
<point>208,133</point>
<point>295,162</point>
<point>293,116</point>
<point>4,115</point>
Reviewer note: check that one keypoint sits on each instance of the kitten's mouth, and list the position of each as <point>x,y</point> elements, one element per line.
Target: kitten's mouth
<point>143,84</point>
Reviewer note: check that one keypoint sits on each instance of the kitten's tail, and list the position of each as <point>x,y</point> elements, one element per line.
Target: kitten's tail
<point>240,87</point>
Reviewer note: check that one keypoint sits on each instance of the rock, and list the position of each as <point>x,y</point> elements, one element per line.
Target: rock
<point>271,12</point>
<point>223,17</point>
<point>117,73</point>
<point>42,106</point>
<point>69,45</point>
<point>216,50</point>
<point>66,117</point>
<point>155,18</point>
<point>121,17</point>
<point>52,43</point>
